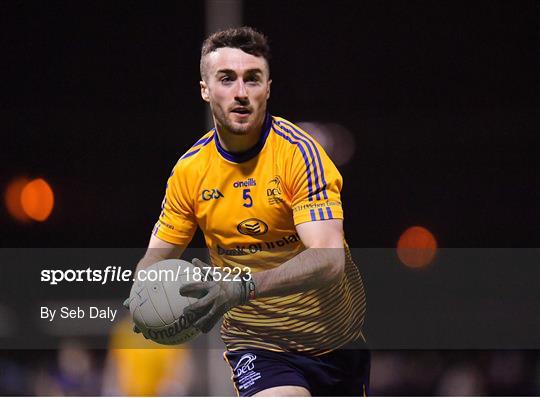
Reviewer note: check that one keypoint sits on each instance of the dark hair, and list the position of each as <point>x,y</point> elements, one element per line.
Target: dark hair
<point>245,38</point>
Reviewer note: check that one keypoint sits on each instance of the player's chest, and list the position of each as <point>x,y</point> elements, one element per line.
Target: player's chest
<point>249,202</point>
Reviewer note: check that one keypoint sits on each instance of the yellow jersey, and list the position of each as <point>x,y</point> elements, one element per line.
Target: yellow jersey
<point>247,206</point>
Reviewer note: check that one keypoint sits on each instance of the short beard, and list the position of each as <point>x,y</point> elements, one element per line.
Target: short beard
<point>243,130</point>
<point>234,129</point>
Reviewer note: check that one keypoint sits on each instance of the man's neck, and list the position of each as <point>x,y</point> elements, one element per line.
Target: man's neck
<point>239,143</point>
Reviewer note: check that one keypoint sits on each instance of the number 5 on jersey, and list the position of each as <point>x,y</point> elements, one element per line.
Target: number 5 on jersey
<point>248,200</point>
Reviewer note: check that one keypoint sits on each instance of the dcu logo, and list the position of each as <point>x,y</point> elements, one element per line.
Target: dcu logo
<point>244,372</point>
<point>252,226</point>
<point>273,191</point>
<point>209,194</point>
<point>245,364</point>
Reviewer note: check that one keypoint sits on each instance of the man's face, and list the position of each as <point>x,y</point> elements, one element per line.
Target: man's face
<point>236,86</point>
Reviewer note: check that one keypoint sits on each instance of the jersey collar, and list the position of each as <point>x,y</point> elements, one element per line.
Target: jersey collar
<point>250,153</point>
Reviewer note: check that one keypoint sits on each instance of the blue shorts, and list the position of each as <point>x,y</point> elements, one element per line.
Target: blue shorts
<point>343,372</point>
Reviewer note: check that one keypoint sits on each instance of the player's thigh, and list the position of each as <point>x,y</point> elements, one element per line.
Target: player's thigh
<point>284,391</point>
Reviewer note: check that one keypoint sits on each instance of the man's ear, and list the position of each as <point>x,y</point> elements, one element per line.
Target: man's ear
<point>268,89</point>
<point>204,91</point>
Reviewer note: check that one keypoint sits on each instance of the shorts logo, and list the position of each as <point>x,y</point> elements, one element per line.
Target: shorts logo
<point>209,194</point>
<point>245,364</point>
<point>252,226</point>
<point>243,371</point>
<point>273,191</point>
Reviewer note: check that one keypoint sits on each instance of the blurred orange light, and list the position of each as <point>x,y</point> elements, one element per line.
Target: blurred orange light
<point>12,198</point>
<point>37,199</point>
<point>416,247</point>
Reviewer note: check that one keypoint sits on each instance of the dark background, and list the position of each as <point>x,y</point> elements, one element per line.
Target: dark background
<point>442,98</point>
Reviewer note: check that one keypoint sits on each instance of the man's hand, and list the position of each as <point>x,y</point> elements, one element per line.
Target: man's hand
<point>215,298</point>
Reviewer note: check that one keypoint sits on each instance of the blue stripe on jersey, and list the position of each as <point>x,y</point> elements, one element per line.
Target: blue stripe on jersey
<point>321,214</point>
<point>308,146</point>
<point>203,141</point>
<point>310,140</point>
<point>314,163</point>
<point>312,213</point>
<point>317,152</point>
<point>329,212</point>
<point>187,155</point>
<point>308,169</point>
<point>199,142</point>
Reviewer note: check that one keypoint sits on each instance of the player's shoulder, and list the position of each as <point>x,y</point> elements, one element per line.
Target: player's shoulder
<point>296,138</point>
<point>283,124</point>
<point>197,154</point>
<point>292,133</point>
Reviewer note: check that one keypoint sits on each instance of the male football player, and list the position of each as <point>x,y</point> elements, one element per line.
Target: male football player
<point>267,198</point>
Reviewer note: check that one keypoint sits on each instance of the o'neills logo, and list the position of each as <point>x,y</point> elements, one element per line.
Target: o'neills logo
<point>180,325</point>
<point>250,182</point>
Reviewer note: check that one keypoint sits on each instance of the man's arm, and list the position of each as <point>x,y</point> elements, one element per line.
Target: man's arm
<point>321,264</point>
<point>159,250</point>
